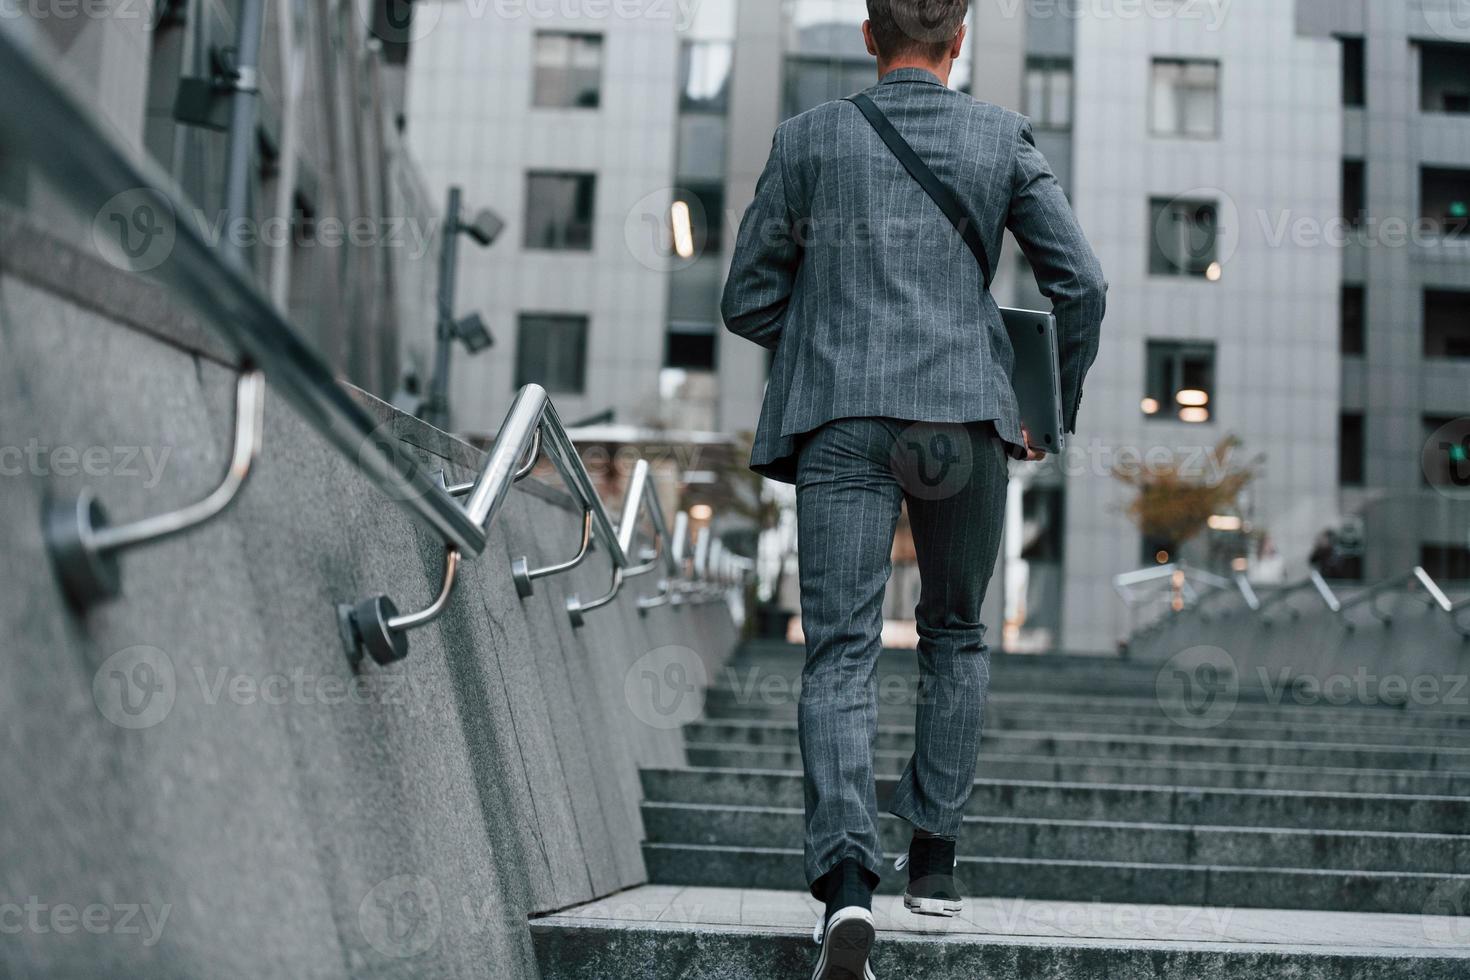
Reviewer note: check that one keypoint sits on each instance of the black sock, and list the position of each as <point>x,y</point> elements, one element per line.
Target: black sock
<point>849,884</point>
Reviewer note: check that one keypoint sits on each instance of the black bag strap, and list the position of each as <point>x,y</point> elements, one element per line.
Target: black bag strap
<point>933,186</point>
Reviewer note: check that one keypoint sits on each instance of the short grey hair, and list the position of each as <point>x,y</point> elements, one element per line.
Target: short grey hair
<point>922,27</point>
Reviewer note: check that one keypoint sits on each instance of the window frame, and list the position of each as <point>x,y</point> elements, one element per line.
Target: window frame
<point>528,245</point>
<point>523,378</point>
<point>1180,132</point>
<point>1179,350</point>
<point>537,37</point>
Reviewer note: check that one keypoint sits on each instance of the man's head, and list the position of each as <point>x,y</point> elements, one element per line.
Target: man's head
<point>916,32</point>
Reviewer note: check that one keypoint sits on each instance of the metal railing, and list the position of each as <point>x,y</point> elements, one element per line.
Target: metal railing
<point>87,166</point>
<point>1186,599</point>
<point>42,125</point>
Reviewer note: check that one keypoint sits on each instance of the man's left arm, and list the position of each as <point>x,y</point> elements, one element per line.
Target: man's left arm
<point>767,257</point>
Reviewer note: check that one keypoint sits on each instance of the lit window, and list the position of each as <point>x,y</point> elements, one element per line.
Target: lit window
<point>1180,381</point>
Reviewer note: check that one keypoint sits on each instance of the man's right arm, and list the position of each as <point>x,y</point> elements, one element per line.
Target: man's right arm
<point>1067,270</point>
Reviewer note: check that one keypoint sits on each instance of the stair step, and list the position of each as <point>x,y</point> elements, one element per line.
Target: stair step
<point>1114,803</point>
<point>1075,840</point>
<point>1117,747</point>
<point>1002,717</point>
<point>1136,772</point>
<point>1105,881</point>
<point>671,933</point>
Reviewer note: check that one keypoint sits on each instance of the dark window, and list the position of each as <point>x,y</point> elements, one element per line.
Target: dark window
<point>1354,192</point>
<point>1444,78</point>
<point>1045,520</point>
<point>704,76</point>
<point>1446,323</point>
<point>1049,92</point>
<point>1354,72</point>
<point>1448,452</point>
<point>810,81</point>
<point>1185,98</point>
<point>1354,309</point>
<point>1446,562</point>
<point>1185,238</point>
<point>568,70</point>
<point>697,219</point>
<point>559,210</point>
<point>551,351</point>
<point>1445,199</point>
<point>1350,468</point>
<point>693,351</point>
<point>1180,381</point>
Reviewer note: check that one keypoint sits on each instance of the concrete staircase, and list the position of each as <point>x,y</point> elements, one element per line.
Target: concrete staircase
<point>1111,835</point>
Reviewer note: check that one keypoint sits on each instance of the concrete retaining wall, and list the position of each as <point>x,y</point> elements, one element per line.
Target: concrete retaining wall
<point>195,781</point>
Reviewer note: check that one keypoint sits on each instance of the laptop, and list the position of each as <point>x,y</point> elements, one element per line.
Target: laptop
<point>1036,376</point>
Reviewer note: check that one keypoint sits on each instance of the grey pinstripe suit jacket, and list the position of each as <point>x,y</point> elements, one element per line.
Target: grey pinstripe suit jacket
<point>865,291</point>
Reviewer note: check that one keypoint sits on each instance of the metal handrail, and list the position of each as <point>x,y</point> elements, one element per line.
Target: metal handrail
<point>1433,596</point>
<point>532,428</point>
<point>87,167</point>
<point>84,547</point>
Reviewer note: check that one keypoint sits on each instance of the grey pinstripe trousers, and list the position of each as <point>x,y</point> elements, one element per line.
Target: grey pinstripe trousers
<point>852,476</point>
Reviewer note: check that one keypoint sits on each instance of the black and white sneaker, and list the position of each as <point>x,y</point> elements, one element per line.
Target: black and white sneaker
<point>933,888</point>
<point>846,941</point>
<point>845,931</point>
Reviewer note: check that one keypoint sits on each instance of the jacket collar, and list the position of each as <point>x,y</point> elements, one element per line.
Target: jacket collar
<point>910,75</point>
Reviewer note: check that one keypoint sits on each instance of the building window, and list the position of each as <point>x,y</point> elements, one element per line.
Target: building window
<point>704,76</point>
<point>812,81</point>
<point>1446,562</point>
<point>1354,193</point>
<point>1350,444</point>
<point>1179,381</point>
<point>1444,78</point>
<point>1186,98</point>
<point>568,70</point>
<point>691,346</point>
<point>551,351</point>
<point>1448,463</point>
<point>1446,323</point>
<point>1444,200</point>
<point>1185,238</point>
<point>559,210</point>
<point>1354,338</point>
<point>1049,92</point>
<point>1354,73</point>
<point>697,219</point>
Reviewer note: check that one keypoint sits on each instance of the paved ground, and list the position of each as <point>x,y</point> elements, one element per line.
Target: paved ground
<point>1001,920</point>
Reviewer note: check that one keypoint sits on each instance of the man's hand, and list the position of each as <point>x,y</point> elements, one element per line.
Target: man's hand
<point>1033,455</point>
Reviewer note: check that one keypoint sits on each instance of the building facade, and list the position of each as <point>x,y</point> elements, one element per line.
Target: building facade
<point>1212,151</point>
